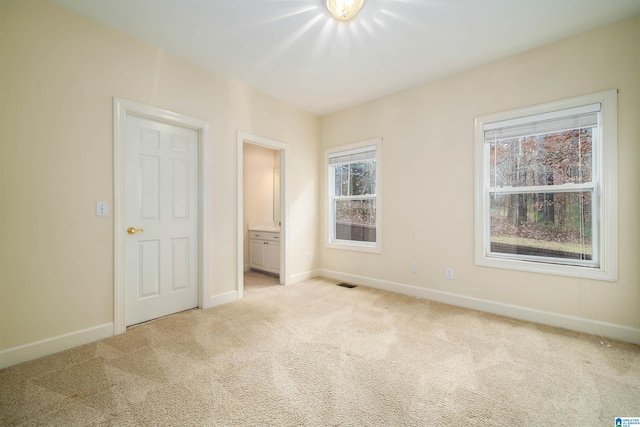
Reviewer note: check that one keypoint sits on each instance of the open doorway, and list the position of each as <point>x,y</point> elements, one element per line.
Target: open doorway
<point>262,212</point>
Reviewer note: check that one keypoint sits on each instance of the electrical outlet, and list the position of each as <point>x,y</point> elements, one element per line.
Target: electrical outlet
<point>102,209</point>
<point>448,273</point>
<point>414,268</point>
<point>308,257</point>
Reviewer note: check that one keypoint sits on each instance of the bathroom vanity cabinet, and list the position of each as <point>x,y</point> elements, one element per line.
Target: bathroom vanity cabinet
<point>264,251</point>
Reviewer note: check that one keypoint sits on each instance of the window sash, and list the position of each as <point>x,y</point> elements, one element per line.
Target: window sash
<point>332,175</point>
<point>357,242</point>
<point>595,255</point>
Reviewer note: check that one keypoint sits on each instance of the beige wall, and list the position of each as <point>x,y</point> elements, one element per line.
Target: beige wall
<point>258,165</point>
<point>428,169</point>
<point>59,74</point>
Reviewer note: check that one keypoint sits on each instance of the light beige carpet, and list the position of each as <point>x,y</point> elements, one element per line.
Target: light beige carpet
<point>317,354</point>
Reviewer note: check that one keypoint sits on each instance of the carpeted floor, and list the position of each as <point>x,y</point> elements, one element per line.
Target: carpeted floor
<point>317,354</point>
<point>256,283</point>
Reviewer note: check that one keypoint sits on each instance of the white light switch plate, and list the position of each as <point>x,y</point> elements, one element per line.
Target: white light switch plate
<point>102,209</point>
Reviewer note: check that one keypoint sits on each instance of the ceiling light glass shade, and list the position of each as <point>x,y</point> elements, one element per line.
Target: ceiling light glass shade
<point>344,9</point>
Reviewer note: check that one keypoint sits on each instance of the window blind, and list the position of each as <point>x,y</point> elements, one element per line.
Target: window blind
<point>556,121</point>
<point>350,156</point>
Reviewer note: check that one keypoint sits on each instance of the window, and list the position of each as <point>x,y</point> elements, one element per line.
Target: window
<point>353,214</point>
<point>545,188</point>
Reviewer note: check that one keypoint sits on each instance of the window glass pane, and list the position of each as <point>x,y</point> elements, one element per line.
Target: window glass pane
<point>362,178</point>
<point>543,159</point>
<point>555,225</point>
<point>372,179</point>
<point>355,220</point>
<point>355,179</point>
<point>341,180</point>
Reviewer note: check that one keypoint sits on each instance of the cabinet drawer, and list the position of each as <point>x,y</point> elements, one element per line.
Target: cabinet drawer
<point>264,235</point>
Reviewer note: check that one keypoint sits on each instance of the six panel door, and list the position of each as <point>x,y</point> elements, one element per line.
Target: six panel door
<point>161,204</point>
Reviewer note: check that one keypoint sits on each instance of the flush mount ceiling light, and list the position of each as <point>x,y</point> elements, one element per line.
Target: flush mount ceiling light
<point>344,10</point>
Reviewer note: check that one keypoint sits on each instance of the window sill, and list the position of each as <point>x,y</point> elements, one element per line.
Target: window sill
<point>546,268</point>
<point>354,247</point>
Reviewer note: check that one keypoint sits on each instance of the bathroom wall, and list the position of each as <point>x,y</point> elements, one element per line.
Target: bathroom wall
<point>258,166</point>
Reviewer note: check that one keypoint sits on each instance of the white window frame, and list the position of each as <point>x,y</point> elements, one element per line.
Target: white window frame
<point>604,183</point>
<point>330,242</point>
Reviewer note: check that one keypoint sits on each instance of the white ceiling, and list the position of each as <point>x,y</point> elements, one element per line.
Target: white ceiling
<point>295,51</point>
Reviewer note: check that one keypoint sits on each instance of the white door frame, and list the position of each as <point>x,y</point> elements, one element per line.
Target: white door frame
<point>284,203</point>
<point>121,108</point>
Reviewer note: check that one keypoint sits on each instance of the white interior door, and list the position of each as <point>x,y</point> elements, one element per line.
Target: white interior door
<point>161,214</point>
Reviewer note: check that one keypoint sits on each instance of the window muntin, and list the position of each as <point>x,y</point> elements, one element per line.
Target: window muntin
<point>353,217</point>
<point>544,196</point>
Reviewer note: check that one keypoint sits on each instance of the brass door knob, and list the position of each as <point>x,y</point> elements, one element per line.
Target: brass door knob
<point>132,230</point>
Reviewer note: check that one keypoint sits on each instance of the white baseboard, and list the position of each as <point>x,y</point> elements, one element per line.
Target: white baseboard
<point>301,277</point>
<point>223,298</point>
<point>35,350</point>
<point>579,324</point>
<point>246,268</point>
